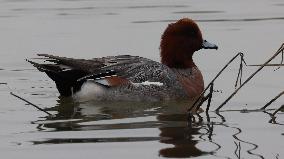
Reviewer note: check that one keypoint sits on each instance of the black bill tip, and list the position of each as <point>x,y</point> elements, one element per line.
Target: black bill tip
<point>208,45</point>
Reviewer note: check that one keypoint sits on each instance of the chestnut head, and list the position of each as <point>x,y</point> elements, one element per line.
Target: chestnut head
<point>179,41</point>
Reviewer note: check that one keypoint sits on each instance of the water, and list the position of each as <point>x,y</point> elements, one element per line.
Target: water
<point>86,29</point>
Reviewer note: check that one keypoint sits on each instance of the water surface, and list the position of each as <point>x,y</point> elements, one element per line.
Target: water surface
<point>86,29</point>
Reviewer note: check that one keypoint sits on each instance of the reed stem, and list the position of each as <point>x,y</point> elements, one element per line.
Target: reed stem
<point>274,99</point>
<point>280,50</point>
<point>30,103</point>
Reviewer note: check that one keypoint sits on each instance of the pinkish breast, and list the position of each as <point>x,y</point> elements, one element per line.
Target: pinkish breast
<point>191,80</point>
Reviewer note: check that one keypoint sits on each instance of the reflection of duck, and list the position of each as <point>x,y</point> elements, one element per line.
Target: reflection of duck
<point>167,117</point>
<point>135,78</point>
<point>180,136</point>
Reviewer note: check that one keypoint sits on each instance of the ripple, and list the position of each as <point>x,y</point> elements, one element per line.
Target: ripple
<point>56,9</point>
<point>64,14</point>
<point>6,16</point>
<point>242,20</point>
<point>20,70</point>
<point>197,12</point>
<point>153,21</point>
<point>37,94</point>
<point>73,126</point>
<point>95,140</point>
<point>70,14</point>
<point>55,121</point>
<point>110,13</point>
<point>214,20</point>
<point>279,4</point>
<point>19,0</point>
<point>103,7</point>
<point>156,6</point>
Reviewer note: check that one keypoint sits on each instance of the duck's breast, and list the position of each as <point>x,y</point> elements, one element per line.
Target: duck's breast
<point>191,81</point>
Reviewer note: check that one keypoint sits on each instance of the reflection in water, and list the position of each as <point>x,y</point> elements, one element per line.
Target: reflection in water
<point>169,118</point>
<point>179,136</point>
<point>237,151</point>
<point>272,118</point>
<point>96,140</point>
<point>250,151</point>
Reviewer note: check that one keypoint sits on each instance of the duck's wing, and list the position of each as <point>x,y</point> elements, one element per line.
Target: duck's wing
<point>69,73</point>
<point>136,69</point>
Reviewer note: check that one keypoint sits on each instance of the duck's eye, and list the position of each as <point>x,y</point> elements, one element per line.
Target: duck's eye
<point>190,33</point>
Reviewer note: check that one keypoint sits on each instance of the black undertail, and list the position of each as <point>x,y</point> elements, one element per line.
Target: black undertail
<point>66,81</point>
<point>70,81</point>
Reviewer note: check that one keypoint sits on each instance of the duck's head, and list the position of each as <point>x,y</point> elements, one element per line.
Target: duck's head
<point>179,41</point>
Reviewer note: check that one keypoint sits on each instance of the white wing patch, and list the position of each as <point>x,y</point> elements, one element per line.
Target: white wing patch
<point>148,83</point>
<point>102,82</point>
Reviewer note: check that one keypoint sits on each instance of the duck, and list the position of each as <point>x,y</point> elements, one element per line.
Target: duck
<point>134,78</point>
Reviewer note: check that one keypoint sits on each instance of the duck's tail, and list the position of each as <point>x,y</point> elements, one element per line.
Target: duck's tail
<point>66,80</point>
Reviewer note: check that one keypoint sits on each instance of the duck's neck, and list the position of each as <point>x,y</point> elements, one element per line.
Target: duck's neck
<point>179,61</point>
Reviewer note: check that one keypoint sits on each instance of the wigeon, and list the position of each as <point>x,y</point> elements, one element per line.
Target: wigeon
<point>126,77</point>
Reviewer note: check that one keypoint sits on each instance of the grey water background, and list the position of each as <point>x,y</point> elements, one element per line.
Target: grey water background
<point>95,28</point>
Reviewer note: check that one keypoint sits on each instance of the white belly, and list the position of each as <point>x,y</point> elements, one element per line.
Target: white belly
<point>90,91</point>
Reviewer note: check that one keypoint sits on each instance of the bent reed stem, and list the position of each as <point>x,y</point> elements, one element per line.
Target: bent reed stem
<point>13,94</point>
<point>280,50</point>
<point>271,101</point>
<point>212,81</point>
